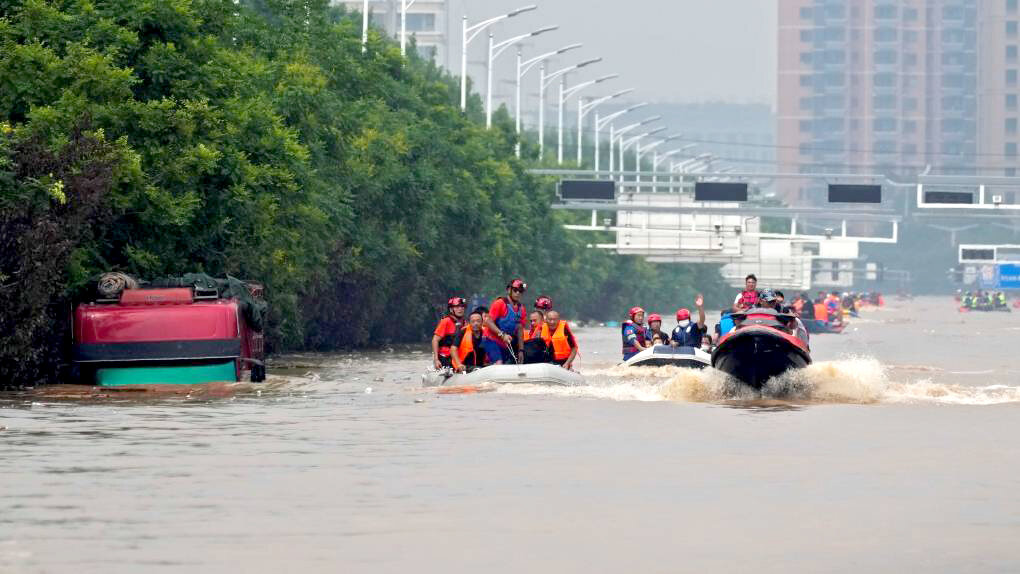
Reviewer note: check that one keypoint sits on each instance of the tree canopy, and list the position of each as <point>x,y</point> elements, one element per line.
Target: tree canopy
<point>254,138</point>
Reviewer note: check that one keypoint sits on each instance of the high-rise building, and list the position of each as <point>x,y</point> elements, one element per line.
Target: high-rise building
<point>893,86</point>
<point>427,21</point>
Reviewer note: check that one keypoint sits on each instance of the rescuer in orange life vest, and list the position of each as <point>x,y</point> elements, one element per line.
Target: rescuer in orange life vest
<point>558,337</point>
<point>446,330</point>
<point>468,353</point>
<point>542,305</point>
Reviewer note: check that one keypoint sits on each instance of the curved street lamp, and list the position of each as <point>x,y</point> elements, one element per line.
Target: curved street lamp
<point>523,67</point>
<point>545,80</point>
<point>469,33</point>
<point>494,52</point>
<point>583,109</point>
<point>601,122</point>
<point>565,94</point>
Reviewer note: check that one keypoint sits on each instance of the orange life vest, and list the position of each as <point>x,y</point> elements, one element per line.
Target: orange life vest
<point>558,341</point>
<point>821,313</point>
<point>467,346</point>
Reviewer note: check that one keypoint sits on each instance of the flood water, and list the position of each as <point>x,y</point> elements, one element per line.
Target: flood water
<point>897,451</point>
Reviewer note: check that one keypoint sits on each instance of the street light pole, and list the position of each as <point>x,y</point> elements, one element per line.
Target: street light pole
<point>495,50</point>
<point>404,5</point>
<point>636,140</point>
<point>619,136</point>
<point>601,122</point>
<point>469,33</point>
<point>565,94</point>
<point>545,82</point>
<point>364,26</point>
<point>583,110</point>
<point>523,67</point>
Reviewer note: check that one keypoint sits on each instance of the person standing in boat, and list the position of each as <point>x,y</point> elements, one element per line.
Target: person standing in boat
<point>749,296</point>
<point>686,333</point>
<point>446,330</point>
<point>504,338</point>
<point>558,337</point>
<point>633,332</point>
<point>654,333</point>
<point>468,353</point>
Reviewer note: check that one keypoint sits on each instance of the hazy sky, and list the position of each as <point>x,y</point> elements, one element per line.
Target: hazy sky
<point>669,50</point>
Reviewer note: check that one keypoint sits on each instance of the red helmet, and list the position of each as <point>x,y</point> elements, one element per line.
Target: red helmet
<point>517,284</point>
<point>654,317</point>
<point>457,302</point>
<point>544,303</point>
<point>635,311</point>
<point>683,314</point>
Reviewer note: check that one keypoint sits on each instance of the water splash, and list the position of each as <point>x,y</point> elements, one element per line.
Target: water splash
<point>851,380</point>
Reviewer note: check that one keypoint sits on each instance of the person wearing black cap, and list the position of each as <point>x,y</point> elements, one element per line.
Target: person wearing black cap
<point>504,337</point>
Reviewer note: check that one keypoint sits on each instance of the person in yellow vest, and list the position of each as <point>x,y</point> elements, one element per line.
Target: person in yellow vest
<point>467,353</point>
<point>560,339</point>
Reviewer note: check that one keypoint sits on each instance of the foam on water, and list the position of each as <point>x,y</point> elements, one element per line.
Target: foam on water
<point>852,380</point>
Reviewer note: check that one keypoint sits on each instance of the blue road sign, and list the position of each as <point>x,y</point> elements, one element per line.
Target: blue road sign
<point>1009,276</point>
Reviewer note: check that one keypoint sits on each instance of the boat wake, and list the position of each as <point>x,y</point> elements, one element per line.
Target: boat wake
<point>854,380</point>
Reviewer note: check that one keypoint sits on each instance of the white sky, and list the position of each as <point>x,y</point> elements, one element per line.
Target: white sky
<point>669,50</point>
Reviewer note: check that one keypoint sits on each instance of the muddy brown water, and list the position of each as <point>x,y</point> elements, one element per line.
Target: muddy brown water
<point>897,451</point>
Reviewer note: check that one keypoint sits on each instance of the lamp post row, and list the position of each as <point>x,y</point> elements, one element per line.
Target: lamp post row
<point>471,32</point>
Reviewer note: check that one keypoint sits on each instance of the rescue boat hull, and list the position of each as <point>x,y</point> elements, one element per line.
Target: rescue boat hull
<point>662,355</point>
<point>535,373</point>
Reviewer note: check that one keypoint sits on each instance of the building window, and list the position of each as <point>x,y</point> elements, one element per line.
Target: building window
<point>805,13</point>
<point>805,80</point>
<point>885,124</point>
<point>1011,28</point>
<point>885,57</point>
<point>910,14</point>
<point>1010,172</point>
<point>885,146</point>
<point>909,59</point>
<point>1011,77</point>
<point>885,12</point>
<point>909,104</point>
<point>807,103</point>
<point>910,36</point>
<point>953,125</point>
<point>835,34</point>
<point>952,81</point>
<point>835,12</point>
<point>953,35</point>
<point>952,12</point>
<point>1011,102</point>
<point>910,149</point>
<point>1011,52</point>
<point>1011,5</point>
<point>885,80</point>
<point>1011,125</point>
<point>806,57</point>
<point>909,126</point>
<point>421,22</point>
<point>885,35</point>
<point>805,35</point>
<point>1010,149</point>
<point>885,102</point>
<point>428,52</point>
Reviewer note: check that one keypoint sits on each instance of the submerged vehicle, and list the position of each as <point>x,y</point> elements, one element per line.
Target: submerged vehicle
<point>764,344</point>
<point>534,373</point>
<point>660,355</point>
<point>184,331</point>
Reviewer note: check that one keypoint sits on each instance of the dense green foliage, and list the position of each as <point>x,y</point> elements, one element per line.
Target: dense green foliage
<point>256,139</point>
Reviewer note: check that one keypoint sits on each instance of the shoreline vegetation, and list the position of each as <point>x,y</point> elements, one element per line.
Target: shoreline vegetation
<point>257,140</point>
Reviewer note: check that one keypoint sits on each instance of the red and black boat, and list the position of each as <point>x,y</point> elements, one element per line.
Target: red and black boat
<point>764,344</point>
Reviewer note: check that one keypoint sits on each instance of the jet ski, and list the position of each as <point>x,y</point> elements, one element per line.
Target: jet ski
<point>659,355</point>
<point>535,373</point>
<point>764,344</point>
